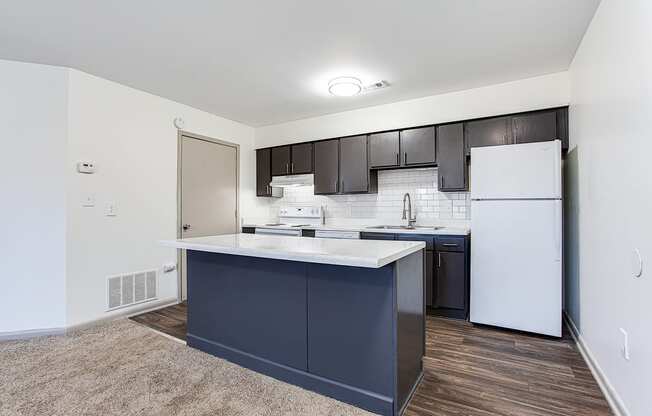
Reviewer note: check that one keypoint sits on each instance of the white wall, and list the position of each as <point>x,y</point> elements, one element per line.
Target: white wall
<point>609,192</point>
<point>33,106</point>
<point>511,97</point>
<point>129,134</point>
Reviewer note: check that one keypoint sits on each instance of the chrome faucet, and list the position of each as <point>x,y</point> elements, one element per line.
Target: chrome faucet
<point>410,219</point>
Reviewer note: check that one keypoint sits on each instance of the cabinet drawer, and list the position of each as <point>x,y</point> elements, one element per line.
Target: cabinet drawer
<point>428,239</point>
<point>445,243</point>
<point>377,236</point>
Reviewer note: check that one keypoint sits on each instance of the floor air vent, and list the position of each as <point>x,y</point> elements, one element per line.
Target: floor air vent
<point>130,289</point>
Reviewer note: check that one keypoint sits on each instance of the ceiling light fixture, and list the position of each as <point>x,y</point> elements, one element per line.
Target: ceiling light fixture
<point>345,86</point>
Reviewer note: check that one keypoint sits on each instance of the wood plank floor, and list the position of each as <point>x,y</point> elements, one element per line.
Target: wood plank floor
<point>473,370</point>
<point>170,320</point>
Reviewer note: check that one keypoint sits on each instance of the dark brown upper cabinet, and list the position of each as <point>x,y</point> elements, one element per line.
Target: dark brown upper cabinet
<point>263,172</point>
<point>281,160</point>
<point>452,169</point>
<point>487,132</point>
<point>411,147</point>
<point>301,158</point>
<point>535,127</point>
<point>354,170</point>
<point>418,146</point>
<point>292,160</point>
<point>384,150</point>
<point>327,157</point>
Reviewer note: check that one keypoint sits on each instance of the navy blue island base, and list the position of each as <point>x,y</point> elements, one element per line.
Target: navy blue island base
<point>352,333</point>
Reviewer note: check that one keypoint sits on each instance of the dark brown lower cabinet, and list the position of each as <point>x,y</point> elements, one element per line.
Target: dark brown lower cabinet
<point>450,280</point>
<point>446,271</point>
<point>451,288</point>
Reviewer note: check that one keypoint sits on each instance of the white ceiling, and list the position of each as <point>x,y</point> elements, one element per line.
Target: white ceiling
<point>264,62</point>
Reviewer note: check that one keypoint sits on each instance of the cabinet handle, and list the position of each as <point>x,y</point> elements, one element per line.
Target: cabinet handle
<point>292,167</point>
<point>438,260</point>
<point>287,168</point>
<point>405,158</point>
<point>342,190</point>
<point>398,162</point>
<point>449,245</point>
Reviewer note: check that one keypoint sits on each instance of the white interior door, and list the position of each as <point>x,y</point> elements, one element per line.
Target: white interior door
<point>516,265</point>
<point>209,191</point>
<point>518,171</point>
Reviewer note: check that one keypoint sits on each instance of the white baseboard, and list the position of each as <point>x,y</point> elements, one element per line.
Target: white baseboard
<point>126,313</point>
<point>614,400</point>
<point>30,333</point>
<point>142,308</point>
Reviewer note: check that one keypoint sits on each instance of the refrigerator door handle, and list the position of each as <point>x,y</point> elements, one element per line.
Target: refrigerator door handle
<point>557,224</point>
<point>557,166</point>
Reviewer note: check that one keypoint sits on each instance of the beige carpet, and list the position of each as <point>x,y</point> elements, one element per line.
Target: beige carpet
<point>122,368</point>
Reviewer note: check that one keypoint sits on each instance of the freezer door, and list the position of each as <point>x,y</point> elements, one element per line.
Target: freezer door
<point>531,170</point>
<point>516,265</point>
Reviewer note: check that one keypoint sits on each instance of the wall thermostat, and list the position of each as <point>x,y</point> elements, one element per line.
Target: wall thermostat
<point>179,123</point>
<point>85,167</point>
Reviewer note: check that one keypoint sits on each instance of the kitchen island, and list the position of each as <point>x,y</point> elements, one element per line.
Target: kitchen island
<point>344,318</point>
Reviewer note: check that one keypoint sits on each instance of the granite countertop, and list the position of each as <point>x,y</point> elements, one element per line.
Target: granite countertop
<point>427,230</point>
<point>359,253</point>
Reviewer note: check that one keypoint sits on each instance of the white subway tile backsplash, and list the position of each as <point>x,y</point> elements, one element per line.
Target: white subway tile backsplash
<point>429,204</point>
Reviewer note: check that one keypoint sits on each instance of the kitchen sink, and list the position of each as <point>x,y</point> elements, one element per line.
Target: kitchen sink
<point>404,227</point>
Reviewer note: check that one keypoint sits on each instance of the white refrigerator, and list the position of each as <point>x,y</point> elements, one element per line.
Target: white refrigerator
<point>516,243</point>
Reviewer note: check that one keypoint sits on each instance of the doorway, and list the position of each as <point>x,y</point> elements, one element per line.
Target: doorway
<point>208,192</point>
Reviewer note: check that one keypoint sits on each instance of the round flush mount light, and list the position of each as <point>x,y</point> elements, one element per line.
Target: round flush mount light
<point>345,86</point>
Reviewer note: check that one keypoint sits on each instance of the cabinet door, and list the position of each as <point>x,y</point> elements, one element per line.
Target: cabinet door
<point>418,146</point>
<point>281,160</point>
<point>326,167</point>
<point>263,172</point>
<point>451,160</point>
<point>301,158</point>
<point>451,284</point>
<point>354,171</point>
<point>384,150</point>
<point>490,132</point>
<point>536,127</point>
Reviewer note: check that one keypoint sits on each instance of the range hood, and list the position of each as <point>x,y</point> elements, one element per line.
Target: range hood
<point>289,181</point>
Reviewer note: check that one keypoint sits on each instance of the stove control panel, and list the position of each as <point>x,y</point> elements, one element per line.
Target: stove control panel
<point>301,212</point>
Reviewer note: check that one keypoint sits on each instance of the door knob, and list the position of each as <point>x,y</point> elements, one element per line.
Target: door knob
<point>185,227</point>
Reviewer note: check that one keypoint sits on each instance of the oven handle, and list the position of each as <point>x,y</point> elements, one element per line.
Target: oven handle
<point>268,231</point>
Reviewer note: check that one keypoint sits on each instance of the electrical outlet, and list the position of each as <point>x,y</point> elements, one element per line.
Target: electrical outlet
<point>625,347</point>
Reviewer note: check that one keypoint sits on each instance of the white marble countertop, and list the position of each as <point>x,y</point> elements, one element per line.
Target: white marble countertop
<point>359,253</point>
<point>426,230</point>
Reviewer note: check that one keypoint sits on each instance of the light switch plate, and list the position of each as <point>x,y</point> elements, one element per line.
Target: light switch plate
<point>111,209</point>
